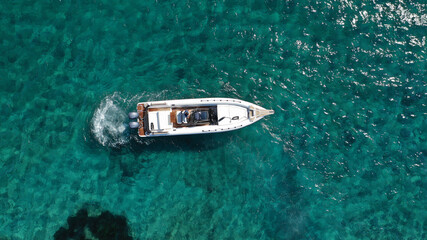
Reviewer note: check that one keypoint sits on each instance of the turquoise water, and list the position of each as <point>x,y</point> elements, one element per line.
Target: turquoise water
<point>342,158</point>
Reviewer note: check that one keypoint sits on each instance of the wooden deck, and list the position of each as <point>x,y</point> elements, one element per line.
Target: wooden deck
<point>141,131</point>
<point>159,109</point>
<point>141,113</point>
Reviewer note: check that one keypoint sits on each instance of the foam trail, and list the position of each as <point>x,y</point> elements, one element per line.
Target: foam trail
<point>109,122</point>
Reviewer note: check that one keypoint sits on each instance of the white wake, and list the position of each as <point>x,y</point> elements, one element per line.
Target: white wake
<point>109,122</point>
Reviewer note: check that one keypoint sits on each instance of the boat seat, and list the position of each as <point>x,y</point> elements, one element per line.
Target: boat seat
<point>180,118</point>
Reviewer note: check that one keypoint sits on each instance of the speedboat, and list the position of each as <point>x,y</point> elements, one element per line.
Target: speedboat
<point>194,116</point>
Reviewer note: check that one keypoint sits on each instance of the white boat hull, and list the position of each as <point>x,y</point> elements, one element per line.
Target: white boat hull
<point>196,116</point>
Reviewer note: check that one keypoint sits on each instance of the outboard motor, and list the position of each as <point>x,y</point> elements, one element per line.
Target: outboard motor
<point>133,115</point>
<point>134,125</point>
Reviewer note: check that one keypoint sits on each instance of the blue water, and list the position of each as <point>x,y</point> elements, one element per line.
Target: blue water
<point>342,158</point>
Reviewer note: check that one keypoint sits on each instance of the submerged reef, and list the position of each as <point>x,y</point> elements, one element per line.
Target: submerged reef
<point>105,226</point>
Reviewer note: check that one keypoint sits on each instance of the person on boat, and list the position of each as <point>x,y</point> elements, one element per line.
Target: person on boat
<point>186,113</point>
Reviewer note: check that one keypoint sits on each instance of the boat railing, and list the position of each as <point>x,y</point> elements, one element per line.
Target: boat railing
<point>158,103</point>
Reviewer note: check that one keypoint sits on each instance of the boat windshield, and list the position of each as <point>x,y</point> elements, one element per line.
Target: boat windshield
<point>201,116</point>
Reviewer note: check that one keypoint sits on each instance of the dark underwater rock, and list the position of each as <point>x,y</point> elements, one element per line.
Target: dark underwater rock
<point>349,138</point>
<point>104,227</point>
<point>405,133</point>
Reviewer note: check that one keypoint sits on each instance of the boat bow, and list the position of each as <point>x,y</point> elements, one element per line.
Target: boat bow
<point>257,112</point>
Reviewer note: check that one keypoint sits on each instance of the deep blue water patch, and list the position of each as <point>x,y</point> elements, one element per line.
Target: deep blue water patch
<point>343,157</point>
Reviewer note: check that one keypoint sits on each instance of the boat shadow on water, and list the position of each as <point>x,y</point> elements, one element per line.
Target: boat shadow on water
<point>133,154</point>
<point>191,143</point>
<point>129,141</point>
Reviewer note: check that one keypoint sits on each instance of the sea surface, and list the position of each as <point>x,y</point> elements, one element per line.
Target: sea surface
<point>343,157</point>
